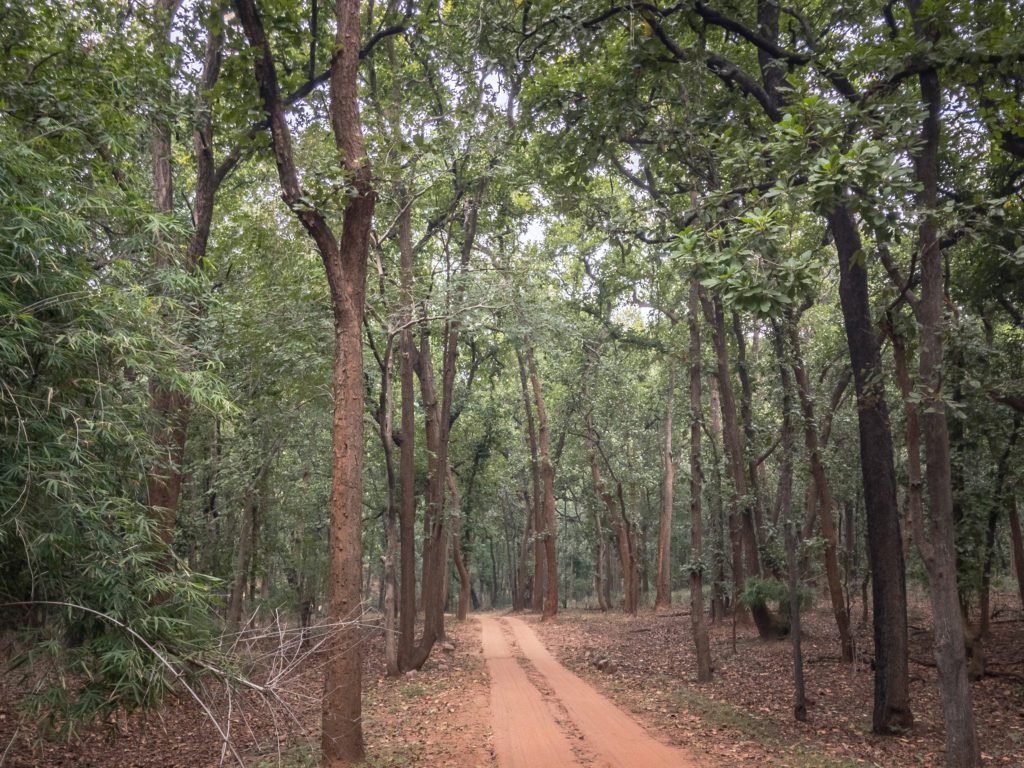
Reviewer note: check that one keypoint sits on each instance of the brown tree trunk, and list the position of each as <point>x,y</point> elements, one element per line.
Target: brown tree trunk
<point>741,518</point>
<point>547,471</point>
<point>494,576</point>
<point>663,578</point>
<point>718,597</point>
<point>1017,544</point>
<point>438,422</point>
<point>784,512</point>
<point>435,545</point>
<point>1000,498</point>
<point>172,410</point>
<point>885,551</point>
<point>539,525</point>
<point>243,555</point>
<point>389,585</point>
<point>626,536</point>
<point>609,575</point>
<point>915,509</point>
<point>698,621</point>
<point>522,566</point>
<point>407,450</point>
<point>747,418</point>
<point>825,504</point>
<point>799,696</point>
<point>962,748</point>
<point>345,264</point>
<point>164,479</point>
<point>617,516</point>
<point>601,569</point>
<point>460,560</point>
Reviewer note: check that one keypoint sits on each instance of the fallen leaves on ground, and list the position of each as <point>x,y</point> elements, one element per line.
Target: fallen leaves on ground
<point>744,716</point>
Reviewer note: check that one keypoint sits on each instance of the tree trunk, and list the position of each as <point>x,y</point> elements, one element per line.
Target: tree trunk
<point>438,422</point>
<point>698,622</point>
<point>784,515</point>
<point>619,521</point>
<point>435,545</point>
<point>741,518</point>
<point>243,555</point>
<point>407,450</point>
<point>747,417</point>
<point>962,748</point>
<point>465,586</point>
<point>1000,497</point>
<point>608,570</point>
<point>539,524</point>
<point>885,551</point>
<point>172,410</point>
<point>494,576</point>
<point>163,483</point>
<point>342,731</point>
<point>522,566</point>
<point>626,534</point>
<point>799,697</point>
<point>915,509</point>
<point>718,597</point>
<point>345,264</point>
<point>850,565</point>
<point>663,578</point>
<point>1017,543</point>
<point>547,471</point>
<point>824,494</point>
<point>601,569</point>
<point>389,585</point>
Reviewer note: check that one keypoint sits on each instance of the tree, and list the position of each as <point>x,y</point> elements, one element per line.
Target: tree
<point>697,619</point>
<point>345,263</point>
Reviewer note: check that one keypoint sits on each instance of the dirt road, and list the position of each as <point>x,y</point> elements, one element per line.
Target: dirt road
<point>544,716</point>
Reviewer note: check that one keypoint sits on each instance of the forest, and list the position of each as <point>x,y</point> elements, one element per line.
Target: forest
<point>411,382</point>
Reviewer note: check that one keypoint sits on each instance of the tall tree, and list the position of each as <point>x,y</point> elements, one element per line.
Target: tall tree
<point>962,748</point>
<point>697,619</point>
<point>663,578</point>
<point>345,264</point>
<point>547,472</point>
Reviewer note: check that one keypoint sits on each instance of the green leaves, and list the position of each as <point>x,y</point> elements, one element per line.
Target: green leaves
<point>85,326</point>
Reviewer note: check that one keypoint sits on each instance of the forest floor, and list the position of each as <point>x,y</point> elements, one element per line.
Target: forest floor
<point>744,716</point>
<point>462,710</point>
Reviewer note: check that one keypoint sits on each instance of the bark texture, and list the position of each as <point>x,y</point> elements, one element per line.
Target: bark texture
<point>345,263</point>
<point>407,450</point>
<point>698,621</point>
<point>746,561</point>
<point>825,504</point>
<point>663,577</point>
<point>547,473</point>
<point>962,748</point>
<point>891,710</point>
<point>536,511</point>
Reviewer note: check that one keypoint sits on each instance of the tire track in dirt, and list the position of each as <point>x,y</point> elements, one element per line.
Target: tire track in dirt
<point>526,733</point>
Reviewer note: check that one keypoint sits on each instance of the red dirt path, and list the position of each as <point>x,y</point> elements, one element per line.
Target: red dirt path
<point>530,730</point>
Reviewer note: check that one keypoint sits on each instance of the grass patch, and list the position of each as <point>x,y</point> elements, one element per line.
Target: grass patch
<point>295,756</point>
<point>307,756</point>
<point>723,715</point>
<point>397,756</point>
<point>413,691</point>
